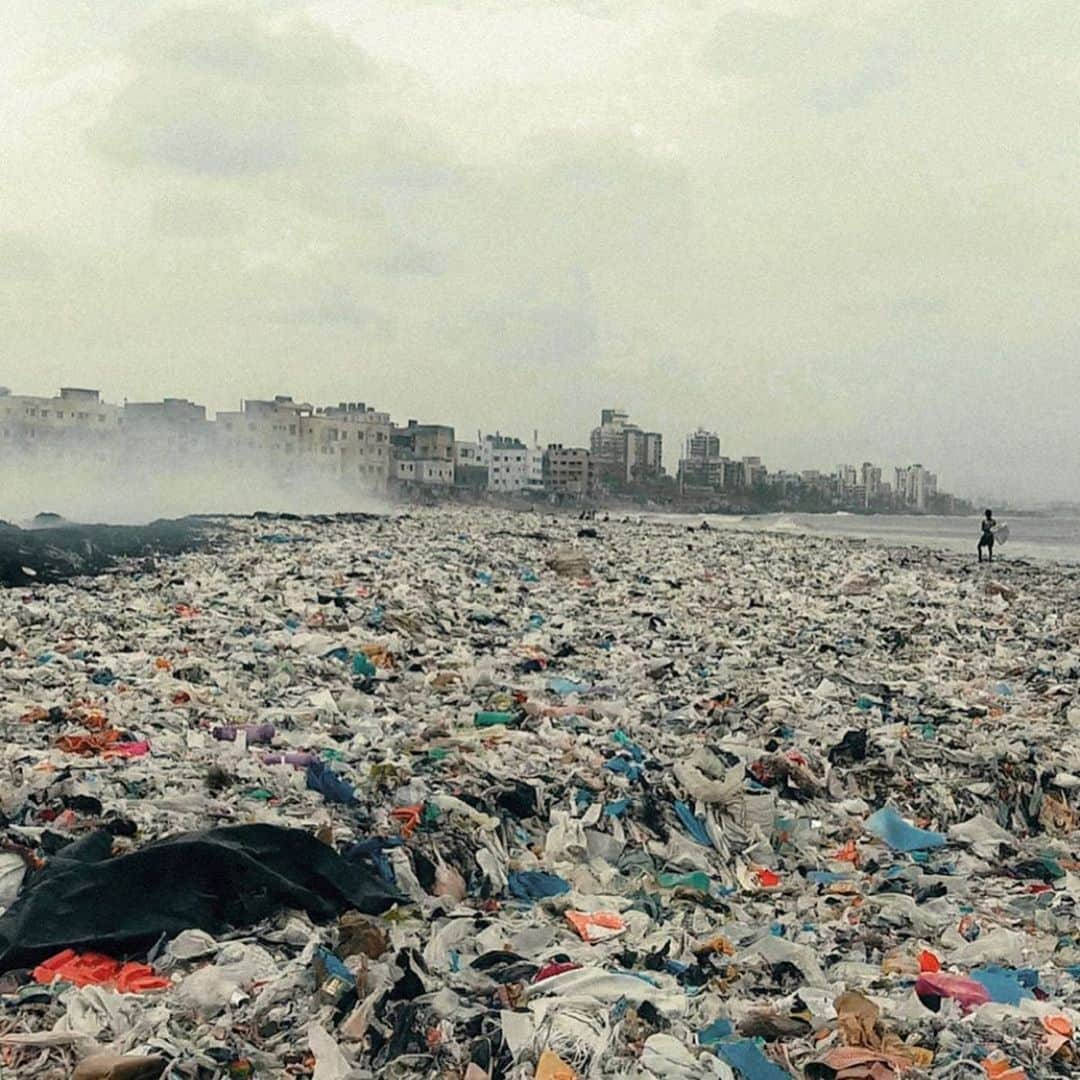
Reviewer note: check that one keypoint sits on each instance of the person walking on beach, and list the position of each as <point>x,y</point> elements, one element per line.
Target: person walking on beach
<point>986,538</point>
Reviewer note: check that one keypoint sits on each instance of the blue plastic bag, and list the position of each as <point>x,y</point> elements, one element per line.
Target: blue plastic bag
<point>536,885</point>
<point>746,1058</point>
<point>1004,986</point>
<point>323,779</point>
<point>563,687</point>
<point>693,825</point>
<point>717,1030</point>
<point>889,826</point>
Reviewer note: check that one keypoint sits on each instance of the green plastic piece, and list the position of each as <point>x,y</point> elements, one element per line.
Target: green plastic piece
<point>698,880</point>
<point>493,719</point>
<point>361,665</point>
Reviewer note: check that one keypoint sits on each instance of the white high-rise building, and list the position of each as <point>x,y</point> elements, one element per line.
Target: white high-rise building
<point>513,467</point>
<point>916,487</point>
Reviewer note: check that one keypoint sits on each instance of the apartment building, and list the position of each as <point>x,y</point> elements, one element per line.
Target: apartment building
<point>568,471</point>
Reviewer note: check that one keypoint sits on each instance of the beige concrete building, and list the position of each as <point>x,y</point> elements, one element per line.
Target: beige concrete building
<point>75,421</point>
<point>263,432</point>
<point>568,471</point>
<point>351,440</point>
<point>173,426</point>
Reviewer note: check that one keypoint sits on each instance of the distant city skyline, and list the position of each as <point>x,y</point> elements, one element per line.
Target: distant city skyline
<point>618,451</point>
<point>568,436</point>
<point>784,459</point>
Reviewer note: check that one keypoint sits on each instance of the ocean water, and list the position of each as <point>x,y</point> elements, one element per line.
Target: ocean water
<point>1048,538</point>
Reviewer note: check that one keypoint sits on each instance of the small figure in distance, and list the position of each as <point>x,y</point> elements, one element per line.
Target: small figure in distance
<point>986,537</point>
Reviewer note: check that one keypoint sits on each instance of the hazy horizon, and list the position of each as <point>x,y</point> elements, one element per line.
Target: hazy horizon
<point>830,232</point>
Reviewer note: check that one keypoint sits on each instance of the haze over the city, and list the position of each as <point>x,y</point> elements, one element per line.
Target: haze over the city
<point>830,232</point>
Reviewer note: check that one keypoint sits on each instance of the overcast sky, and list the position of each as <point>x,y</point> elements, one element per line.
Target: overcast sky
<point>829,231</point>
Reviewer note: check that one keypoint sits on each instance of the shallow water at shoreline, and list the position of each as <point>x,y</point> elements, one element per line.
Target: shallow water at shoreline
<point>1051,538</point>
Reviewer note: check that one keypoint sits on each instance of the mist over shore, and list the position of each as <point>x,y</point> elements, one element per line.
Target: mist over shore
<point>149,487</point>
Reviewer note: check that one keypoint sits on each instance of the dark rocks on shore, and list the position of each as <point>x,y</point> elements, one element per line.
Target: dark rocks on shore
<point>63,550</point>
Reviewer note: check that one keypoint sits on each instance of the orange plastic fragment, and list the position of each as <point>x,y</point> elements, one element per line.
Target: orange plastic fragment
<point>88,745</point>
<point>552,1067</point>
<point>94,969</point>
<point>409,816</point>
<point>848,853</point>
<point>928,961</point>
<point>718,944</point>
<point>135,978</point>
<point>1058,1025</point>
<point>998,1068</point>
<point>595,926</point>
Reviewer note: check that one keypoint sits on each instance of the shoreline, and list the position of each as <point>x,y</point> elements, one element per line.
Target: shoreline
<point>758,523</point>
<point>63,550</point>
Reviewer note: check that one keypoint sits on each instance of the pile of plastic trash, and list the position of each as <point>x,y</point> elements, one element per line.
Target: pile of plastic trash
<point>466,794</point>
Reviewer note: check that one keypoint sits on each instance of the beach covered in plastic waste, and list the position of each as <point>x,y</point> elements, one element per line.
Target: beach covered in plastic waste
<point>465,794</point>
